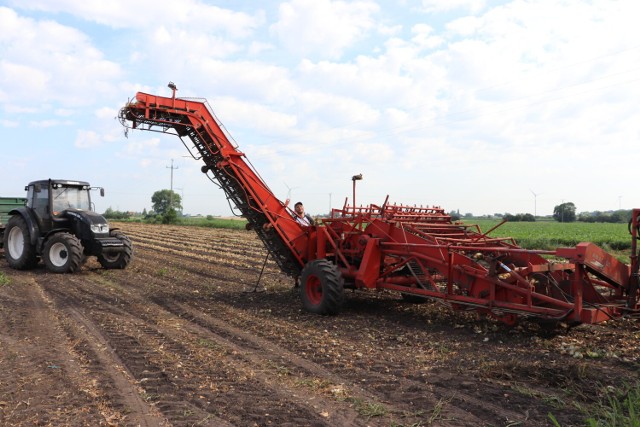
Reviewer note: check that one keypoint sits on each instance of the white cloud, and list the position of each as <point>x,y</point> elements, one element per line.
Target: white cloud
<point>424,36</point>
<point>510,96</point>
<point>87,139</point>
<point>106,113</point>
<point>140,146</point>
<point>323,28</point>
<point>264,120</point>
<point>332,108</point>
<point>49,123</point>
<point>257,47</point>
<point>9,123</point>
<point>64,112</point>
<point>430,6</point>
<point>144,14</point>
<point>44,61</point>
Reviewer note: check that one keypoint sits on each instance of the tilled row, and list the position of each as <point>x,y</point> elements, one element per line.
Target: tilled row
<point>235,243</point>
<point>189,376</point>
<point>43,380</point>
<point>401,398</point>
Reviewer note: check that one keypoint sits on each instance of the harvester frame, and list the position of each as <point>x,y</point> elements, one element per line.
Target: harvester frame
<point>416,251</point>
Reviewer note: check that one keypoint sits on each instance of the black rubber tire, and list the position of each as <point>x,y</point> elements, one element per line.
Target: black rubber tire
<point>18,250</point>
<point>117,260</point>
<point>321,287</point>
<point>62,253</point>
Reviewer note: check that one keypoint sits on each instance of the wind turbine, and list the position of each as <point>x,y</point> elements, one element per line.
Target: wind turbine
<point>535,203</point>
<point>289,189</point>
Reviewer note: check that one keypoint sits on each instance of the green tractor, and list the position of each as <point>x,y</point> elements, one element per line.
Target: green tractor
<point>58,225</point>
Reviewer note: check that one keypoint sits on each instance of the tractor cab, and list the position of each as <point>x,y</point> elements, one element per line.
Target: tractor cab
<point>57,203</point>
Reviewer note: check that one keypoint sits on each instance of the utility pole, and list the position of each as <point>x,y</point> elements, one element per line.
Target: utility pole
<point>171,189</point>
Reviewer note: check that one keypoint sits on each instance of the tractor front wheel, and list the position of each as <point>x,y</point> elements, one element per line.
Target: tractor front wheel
<point>19,251</point>
<point>321,287</point>
<point>62,253</point>
<point>117,259</point>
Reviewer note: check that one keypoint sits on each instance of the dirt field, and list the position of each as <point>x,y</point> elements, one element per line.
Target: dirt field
<point>176,340</point>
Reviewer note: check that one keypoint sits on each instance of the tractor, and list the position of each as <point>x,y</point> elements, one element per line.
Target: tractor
<point>59,225</point>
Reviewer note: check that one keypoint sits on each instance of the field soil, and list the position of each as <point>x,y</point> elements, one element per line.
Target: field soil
<point>185,337</point>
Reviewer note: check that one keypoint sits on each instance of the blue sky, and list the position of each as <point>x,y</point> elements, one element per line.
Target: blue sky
<point>472,105</point>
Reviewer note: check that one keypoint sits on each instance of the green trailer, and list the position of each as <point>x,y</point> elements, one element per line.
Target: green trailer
<point>7,204</point>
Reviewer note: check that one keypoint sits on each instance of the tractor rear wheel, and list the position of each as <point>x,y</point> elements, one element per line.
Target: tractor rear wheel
<point>19,251</point>
<point>117,259</point>
<point>321,287</point>
<point>62,253</point>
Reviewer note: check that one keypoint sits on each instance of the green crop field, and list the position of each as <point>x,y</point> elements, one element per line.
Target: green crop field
<point>551,234</point>
<point>547,235</point>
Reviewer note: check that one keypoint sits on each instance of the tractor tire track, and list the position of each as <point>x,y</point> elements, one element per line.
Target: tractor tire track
<point>38,354</point>
<point>156,328</point>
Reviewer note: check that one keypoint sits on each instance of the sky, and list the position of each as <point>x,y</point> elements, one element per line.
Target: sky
<point>475,106</point>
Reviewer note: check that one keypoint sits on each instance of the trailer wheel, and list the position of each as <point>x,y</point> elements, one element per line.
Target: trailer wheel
<point>321,287</point>
<point>62,253</point>
<point>19,251</point>
<point>117,260</point>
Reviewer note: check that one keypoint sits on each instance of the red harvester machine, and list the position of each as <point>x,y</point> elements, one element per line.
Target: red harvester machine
<point>416,251</point>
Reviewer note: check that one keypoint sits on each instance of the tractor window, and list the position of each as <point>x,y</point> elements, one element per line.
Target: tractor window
<point>40,201</point>
<point>30,196</point>
<point>69,198</point>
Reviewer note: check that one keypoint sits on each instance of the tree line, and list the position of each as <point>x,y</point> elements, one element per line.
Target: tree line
<point>564,212</point>
<point>167,204</point>
<point>165,207</point>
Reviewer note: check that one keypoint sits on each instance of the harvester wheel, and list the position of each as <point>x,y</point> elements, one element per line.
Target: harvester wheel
<point>62,253</point>
<point>117,259</point>
<point>19,251</point>
<point>321,287</point>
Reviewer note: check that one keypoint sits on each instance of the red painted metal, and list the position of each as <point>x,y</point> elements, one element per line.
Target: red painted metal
<point>314,290</point>
<point>417,251</point>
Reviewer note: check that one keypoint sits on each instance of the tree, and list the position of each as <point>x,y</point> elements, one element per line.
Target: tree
<point>565,212</point>
<point>527,217</point>
<point>164,200</point>
<point>170,217</point>
<point>111,214</point>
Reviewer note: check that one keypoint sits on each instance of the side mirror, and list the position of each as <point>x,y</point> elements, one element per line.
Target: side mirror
<point>101,192</point>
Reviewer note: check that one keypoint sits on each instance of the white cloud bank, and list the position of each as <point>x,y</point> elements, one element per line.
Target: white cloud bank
<point>466,104</point>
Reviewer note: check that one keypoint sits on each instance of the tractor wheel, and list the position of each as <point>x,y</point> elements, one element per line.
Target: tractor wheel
<point>321,287</point>
<point>62,253</point>
<point>19,251</point>
<point>117,259</point>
